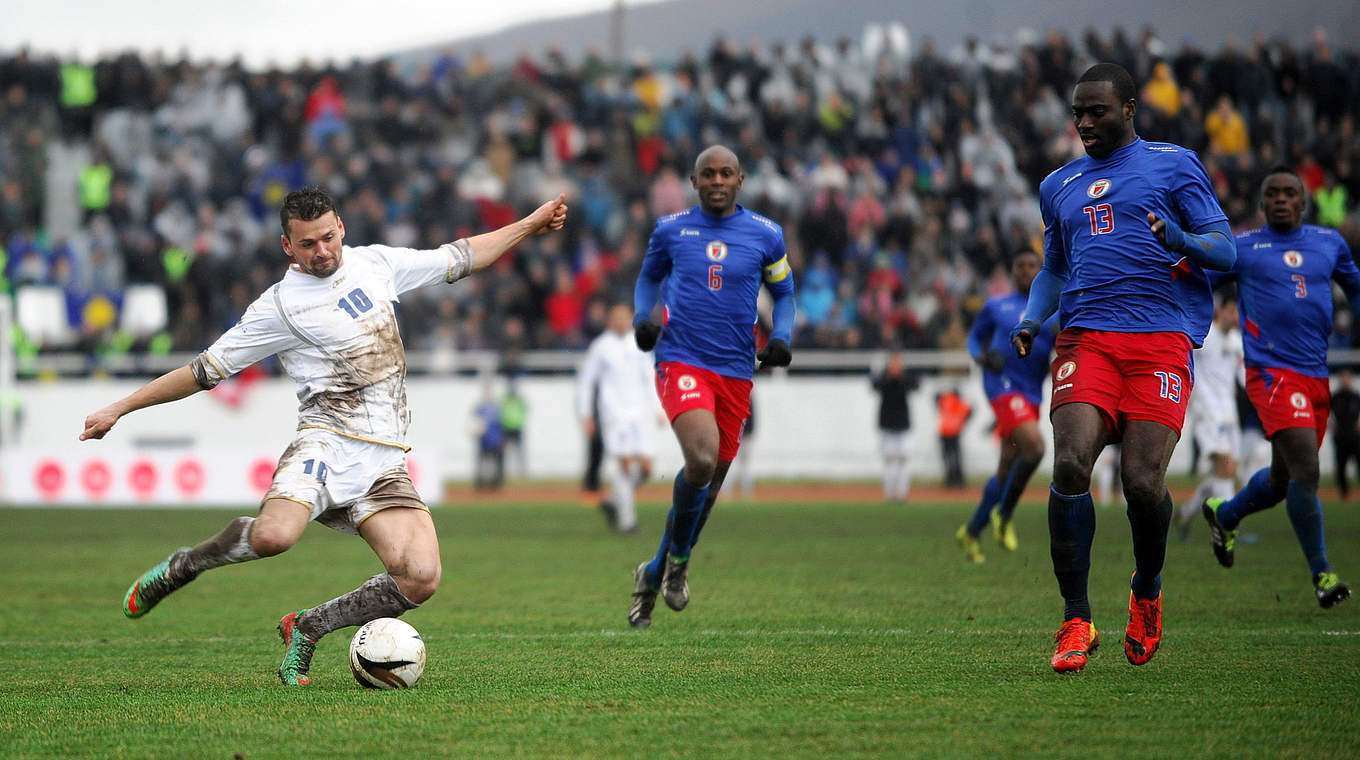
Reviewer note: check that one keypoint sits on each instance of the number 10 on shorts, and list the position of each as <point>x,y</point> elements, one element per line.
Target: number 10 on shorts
<point>1171,386</point>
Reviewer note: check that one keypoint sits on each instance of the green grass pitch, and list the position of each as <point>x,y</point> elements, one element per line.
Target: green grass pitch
<point>850,630</point>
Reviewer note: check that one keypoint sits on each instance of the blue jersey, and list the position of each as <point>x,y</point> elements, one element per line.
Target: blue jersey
<point>713,267</point>
<point>991,332</point>
<point>1096,238</point>
<point>1284,295</point>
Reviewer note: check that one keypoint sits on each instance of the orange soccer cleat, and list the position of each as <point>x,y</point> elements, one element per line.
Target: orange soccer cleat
<point>1144,633</point>
<point>1077,639</point>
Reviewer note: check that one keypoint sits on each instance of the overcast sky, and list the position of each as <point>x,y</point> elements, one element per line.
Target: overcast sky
<point>264,31</point>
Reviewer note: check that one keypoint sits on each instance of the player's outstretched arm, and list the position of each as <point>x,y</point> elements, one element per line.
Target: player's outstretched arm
<point>172,386</point>
<point>489,246</point>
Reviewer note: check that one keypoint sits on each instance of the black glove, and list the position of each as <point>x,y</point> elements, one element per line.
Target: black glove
<point>992,361</point>
<point>1024,332</point>
<point>776,353</point>
<point>646,333</point>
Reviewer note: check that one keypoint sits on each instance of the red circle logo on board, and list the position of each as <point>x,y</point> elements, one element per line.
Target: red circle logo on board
<point>262,474</point>
<point>49,477</point>
<point>189,477</point>
<point>142,477</point>
<point>96,478</point>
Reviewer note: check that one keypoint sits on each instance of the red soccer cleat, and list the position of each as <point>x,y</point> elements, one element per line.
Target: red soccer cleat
<point>1077,639</point>
<point>1144,633</point>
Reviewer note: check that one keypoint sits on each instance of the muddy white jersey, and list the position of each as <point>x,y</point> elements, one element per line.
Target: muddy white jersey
<point>337,338</point>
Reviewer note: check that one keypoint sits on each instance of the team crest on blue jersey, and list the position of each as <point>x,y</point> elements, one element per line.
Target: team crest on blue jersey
<point>717,250</point>
<point>1098,188</point>
<point>1065,371</point>
<point>1293,259</point>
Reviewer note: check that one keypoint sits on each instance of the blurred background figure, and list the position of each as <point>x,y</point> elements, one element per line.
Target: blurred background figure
<point>625,409</point>
<point>894,426</point>
<point>514,412</point>
<point>1345,429</point>
<point>954,412</point>
<point>489,468</point>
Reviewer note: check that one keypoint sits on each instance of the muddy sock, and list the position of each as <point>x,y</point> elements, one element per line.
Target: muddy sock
<point>228,547</point>
<point>378,597</point>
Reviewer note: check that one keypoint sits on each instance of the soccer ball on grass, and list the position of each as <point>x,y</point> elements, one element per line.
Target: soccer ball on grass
<point>386,654</point>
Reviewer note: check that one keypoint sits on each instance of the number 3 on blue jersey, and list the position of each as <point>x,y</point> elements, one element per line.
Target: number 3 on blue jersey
<point>1171,386</point>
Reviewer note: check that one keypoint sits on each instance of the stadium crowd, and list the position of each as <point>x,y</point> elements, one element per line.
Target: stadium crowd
<point>904,176</point>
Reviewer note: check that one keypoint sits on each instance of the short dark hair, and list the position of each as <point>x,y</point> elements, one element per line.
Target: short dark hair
<point>1116,75</point>
<point>1283,169</point>
<point>305,204</point>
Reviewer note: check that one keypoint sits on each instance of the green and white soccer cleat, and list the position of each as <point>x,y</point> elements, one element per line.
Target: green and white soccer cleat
<point>147,591</point>
<point>297,652</point>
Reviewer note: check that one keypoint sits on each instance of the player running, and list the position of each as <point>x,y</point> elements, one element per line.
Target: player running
<point>1013,386</point>
<point>713,258</point>
<point>332,324</point>
<point>1214,410</point>
<point>628,411</point>
<point>1128,231</point>
<point>1284,276</point>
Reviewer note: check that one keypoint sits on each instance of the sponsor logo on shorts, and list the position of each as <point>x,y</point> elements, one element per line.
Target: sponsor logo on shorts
<point>686,383</point>
<point>1293,259</point>
<point>688,396</point>
<point>1098,188</point>
<point>1298,401</point>
<point>1065,370</point>
<point>717,250</point>
<point>1062,387</point>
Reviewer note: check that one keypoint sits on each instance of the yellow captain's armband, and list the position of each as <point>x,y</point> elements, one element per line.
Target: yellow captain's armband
<point>778,270</point>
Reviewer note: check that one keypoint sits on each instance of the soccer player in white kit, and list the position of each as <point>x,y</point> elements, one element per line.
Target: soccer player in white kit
<point>1213,405</point>
<point>332,324</point>
<point>629,411</point>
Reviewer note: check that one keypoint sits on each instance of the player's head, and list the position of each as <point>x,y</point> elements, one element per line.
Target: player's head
<point>717,177</point>
<point>312,231</point>
<point>1025,266</point>
<point>1103,105</point>
<point>1225,309</point>
<point>1283,199</point>
<point>619,318</point>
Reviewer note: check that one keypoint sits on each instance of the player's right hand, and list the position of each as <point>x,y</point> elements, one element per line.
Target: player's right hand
<point>1022,336</point>
<point>549,217</point>
<point>646,333</point>
<point>99,423</point>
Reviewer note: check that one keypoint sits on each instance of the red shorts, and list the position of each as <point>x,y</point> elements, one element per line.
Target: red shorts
<point>683,387</point>
<point>1285,399</point>
<point>1128,376</point>
<point>1013,410</point>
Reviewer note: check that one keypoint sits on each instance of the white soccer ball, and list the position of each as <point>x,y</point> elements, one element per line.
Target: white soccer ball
<point>387,654</point>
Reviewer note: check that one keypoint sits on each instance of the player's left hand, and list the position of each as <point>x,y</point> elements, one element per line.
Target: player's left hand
<point>1167,232</point>
<point>776,353</point>
<point>549,217</point>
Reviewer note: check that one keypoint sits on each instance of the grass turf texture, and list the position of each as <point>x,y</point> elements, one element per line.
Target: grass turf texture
<point>819,631</point>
